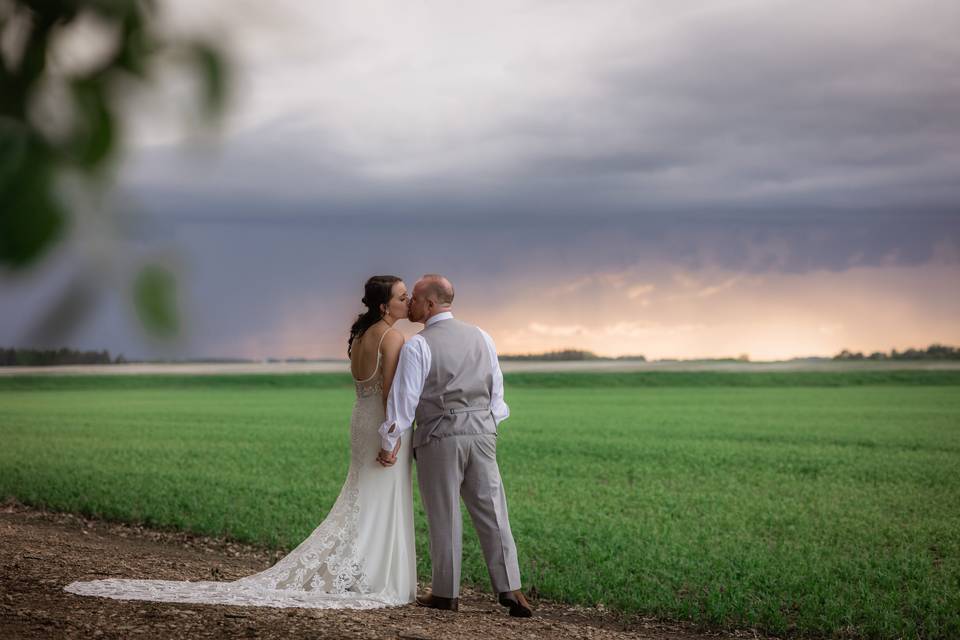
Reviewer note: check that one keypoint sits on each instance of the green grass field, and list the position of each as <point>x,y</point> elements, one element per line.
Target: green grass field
<point>824,504</point>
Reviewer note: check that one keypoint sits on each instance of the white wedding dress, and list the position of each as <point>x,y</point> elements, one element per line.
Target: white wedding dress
<point>362,556</point>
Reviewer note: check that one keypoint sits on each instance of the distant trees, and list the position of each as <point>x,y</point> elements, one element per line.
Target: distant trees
<point>933,352</point>
<point>567,355</point>
<point>48,357</point>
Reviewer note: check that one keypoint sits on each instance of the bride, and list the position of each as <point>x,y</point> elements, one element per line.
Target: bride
<point>362,555</point>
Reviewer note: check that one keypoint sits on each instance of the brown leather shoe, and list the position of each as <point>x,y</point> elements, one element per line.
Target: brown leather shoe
<point>436,602</point>
<point>517,603</point>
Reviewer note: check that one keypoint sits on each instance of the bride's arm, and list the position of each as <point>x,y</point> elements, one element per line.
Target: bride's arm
<point>390,352</point>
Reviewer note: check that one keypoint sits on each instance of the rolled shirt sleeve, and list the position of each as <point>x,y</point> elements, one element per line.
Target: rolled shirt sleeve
<point>412,369</point>
<point>497,405</point>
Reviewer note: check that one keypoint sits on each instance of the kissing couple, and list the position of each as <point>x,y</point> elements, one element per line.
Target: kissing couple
<point>447,381</point>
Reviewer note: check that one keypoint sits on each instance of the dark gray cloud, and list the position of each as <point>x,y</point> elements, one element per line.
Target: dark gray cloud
<point>770,108</point>
<point>831,134</point>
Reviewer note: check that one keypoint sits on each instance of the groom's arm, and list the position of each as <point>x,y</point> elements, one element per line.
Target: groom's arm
<point>405,391</point>
<point>497,405</point>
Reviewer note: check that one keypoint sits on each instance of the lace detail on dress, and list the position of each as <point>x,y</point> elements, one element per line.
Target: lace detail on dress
<point>328,560</point>
<point>370,389</point>
<point>328,569</point>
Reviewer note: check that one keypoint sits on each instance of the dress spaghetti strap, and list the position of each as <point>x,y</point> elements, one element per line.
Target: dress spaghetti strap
<point>377,368</point>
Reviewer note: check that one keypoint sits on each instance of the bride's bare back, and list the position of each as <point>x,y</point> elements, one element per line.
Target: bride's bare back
<point>367,352</point>
<point>376,351</point>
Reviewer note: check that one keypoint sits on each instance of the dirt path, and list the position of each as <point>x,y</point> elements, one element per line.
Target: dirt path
<point>42,551</point>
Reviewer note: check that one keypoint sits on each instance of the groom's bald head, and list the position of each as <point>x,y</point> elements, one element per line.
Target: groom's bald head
<point>432,294</point>
<point>437,287</point>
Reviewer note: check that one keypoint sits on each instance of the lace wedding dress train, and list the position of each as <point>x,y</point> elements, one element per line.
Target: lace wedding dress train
<point>362,556</point>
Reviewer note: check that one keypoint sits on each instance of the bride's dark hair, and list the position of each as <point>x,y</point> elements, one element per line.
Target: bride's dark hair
<point>376,291</point>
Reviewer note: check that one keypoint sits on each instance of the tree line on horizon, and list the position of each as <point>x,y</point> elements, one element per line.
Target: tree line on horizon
<point>13,357</point>
<point>567,355</point>
<point>50,357</point>
<point>933,352</point>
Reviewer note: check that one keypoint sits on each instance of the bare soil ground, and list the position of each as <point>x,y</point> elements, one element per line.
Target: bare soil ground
<point>42,551</point>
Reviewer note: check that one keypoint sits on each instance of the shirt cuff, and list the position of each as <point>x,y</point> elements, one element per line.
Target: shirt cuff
<point>388,440</point>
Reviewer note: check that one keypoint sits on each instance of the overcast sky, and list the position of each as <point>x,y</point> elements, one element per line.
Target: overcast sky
<point>677,179</point>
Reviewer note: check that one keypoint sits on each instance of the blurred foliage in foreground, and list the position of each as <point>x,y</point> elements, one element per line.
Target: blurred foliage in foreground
<point>59,116</point>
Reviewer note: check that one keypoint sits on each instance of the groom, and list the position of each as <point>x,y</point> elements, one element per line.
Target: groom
<point>448,380</point>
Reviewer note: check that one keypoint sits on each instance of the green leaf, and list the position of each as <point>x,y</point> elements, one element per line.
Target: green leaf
<point>213,71</point>
<point>95,134</point>
<point>154,295</point>
<point>31,219</point>
<point>14,142</point>
<point>137,45</point>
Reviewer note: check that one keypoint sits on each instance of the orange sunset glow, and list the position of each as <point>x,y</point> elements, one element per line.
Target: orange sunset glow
<point>661,313</point>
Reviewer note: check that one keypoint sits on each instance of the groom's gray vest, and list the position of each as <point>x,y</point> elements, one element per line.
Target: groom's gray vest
<point>456,396</point>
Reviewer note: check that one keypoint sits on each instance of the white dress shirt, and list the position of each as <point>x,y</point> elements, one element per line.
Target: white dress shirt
<point>412,370</point>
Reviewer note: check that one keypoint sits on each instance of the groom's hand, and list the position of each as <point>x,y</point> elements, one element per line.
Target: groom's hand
<point>388,458</point>
<point>385,458</point>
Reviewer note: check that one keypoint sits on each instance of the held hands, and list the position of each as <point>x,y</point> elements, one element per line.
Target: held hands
<point>388,458</point>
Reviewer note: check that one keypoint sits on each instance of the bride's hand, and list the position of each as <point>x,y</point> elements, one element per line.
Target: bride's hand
<point>386,458</point>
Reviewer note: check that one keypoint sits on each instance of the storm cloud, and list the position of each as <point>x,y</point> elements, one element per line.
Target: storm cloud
<point>543,142</point>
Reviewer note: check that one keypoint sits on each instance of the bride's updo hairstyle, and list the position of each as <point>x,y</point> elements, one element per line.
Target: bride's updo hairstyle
<point>376,292</point>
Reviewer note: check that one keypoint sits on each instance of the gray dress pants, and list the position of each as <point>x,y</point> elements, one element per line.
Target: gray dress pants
<point>465,466</point>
